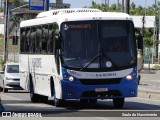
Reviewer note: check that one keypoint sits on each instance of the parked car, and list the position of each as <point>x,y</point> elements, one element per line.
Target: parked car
<point>9,77</point>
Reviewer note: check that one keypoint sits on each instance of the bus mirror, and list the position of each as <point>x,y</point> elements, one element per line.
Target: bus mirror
<point>140,42</point>
<point>15,40</point>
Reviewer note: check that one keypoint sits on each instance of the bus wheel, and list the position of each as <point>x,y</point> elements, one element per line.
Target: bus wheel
<point>34,97</point>
<point>43,99</point>
<point>139,78</point>
<point>83,101</point>
<point>92,100</point>
<point>118,102</point>
<point>57,102</point>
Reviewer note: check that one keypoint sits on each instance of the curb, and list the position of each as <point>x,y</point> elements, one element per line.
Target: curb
<point>149,95</point>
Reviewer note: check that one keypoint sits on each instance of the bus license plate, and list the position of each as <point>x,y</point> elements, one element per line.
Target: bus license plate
<point>101,89</point>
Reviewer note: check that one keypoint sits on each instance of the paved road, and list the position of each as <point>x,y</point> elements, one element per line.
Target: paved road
<point>20,101</point>
<point>150,84</point>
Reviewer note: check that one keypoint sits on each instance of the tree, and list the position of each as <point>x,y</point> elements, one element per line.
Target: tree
<point>15,19</point>
<point>18,3</point>
<point>134,10</point>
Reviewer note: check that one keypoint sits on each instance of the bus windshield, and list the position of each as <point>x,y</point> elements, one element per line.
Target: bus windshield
<point>98,44</point>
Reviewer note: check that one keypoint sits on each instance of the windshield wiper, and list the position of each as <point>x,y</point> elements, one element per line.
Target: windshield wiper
<point>99,54</point>
<point>86,65</point>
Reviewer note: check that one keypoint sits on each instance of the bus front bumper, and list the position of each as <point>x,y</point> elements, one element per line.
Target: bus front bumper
<point>79,91</point>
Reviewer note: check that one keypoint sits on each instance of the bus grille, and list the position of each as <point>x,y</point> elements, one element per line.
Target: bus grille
<point>100,81</point>
<point>102,94</point>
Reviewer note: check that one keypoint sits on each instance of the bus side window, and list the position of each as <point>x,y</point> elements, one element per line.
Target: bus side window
<point>33,39</point>
<point>44,38</point>
<point>22,40</point>
<point>27,40</point>
<point>51,39</point>
<point>38,39</point>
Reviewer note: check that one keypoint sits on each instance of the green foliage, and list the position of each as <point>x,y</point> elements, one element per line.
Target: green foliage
<point>18,3</point>
<point>136,10</point>
<point>148,42</point>
<point>1,61</point>
<point>15,19</point>
<point>157,67</point>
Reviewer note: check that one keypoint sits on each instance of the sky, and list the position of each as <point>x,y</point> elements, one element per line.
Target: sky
<point>82,3</point>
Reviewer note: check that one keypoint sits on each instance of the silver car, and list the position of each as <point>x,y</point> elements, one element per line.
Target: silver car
<point>10,78</point>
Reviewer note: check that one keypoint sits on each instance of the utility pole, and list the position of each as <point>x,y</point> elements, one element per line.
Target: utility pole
<point>156,45</point>
<point>127,6</point>
<point>46,7</point>
<point>6,33</point>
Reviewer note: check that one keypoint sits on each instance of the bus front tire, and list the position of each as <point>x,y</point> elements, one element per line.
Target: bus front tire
<point>118,103</point>
<point>92,100</point>
<point>83,101</point>
<point>58,102</point>
<point>139,78</point>
<point>34,97</point>
<point>43,99</point>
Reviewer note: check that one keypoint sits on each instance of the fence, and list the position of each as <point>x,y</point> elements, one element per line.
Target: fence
<point>150,55</point>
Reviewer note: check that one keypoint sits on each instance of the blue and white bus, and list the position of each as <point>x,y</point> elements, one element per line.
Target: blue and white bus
<point>83,54</point>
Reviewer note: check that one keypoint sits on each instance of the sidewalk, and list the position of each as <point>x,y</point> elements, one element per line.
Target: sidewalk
<point>149,84</point>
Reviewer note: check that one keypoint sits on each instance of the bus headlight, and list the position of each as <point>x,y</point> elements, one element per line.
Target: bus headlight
<point>71,78</point>
<point>129,77</point>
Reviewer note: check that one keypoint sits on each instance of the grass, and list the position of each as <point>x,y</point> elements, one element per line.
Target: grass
<point>1,62</point>
<point>11,48</point>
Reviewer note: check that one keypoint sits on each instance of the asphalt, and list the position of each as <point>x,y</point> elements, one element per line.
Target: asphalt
<point>149,86</point>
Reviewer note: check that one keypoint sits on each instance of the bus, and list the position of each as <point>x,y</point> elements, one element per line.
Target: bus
<point>83,54</point>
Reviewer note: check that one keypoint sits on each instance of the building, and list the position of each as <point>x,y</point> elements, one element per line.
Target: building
<point>59,4</point>
<point>1,24</point>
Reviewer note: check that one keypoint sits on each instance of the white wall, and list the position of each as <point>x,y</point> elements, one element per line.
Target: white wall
<point>2,29</point>
<point>149,21</point>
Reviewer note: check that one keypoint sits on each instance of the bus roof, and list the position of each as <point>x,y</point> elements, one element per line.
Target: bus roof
<point>65,11</point>
<point>63,15</point>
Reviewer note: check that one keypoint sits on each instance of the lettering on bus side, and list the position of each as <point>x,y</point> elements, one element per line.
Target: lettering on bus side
<point>106,74</point>
<point>36,62</point>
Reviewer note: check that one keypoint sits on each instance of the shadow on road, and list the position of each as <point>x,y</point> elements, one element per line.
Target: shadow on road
<point>73,108</point>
